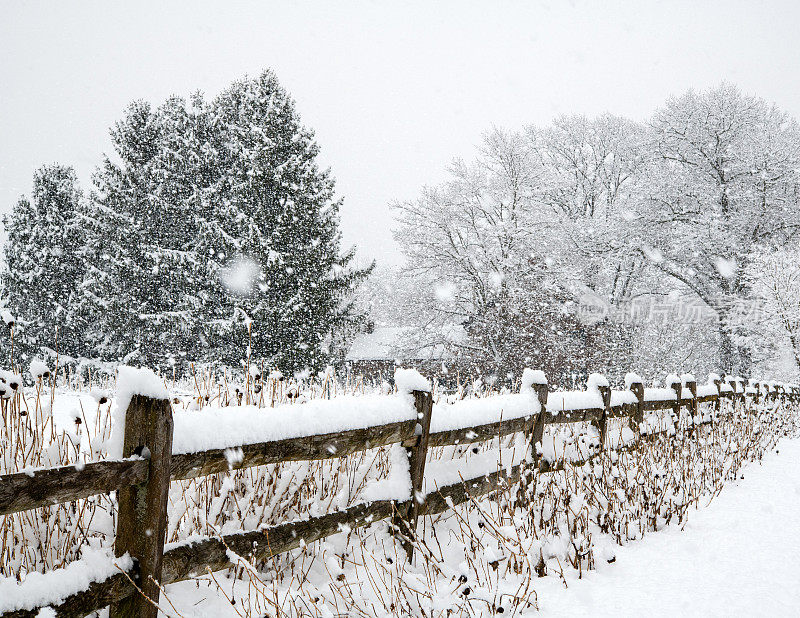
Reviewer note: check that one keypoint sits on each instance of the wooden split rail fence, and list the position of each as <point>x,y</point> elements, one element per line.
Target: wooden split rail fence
<point>142,483</point>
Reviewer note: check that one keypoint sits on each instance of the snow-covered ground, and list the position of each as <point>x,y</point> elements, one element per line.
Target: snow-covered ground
<point>733,557</point>
<point>738,556</point>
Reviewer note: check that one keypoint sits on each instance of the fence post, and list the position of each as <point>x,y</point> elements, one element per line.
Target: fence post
<point>417,454</point>
<point>605,393</point>
<point>718,403</point>
<point>693,406</point>
<point>142,516</point>
<point>735,385</point>
<point>676,407</point>
<point>536,430</point>
<point>538,426</point>
<point>727,380</point>
<point>638,415</point>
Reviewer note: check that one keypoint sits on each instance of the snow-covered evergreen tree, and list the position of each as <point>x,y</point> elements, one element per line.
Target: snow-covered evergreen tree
<point>44,264</point>
<point>273,240</point>
<point>143,287</point>
<point>212,219</point>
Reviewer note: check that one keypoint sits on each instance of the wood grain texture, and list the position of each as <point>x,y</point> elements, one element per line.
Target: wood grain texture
<point>638,413</point>
<point>542,418</point>
<point>23,491</point>
<point>666,404</point>
<point>307,448</point>
<point>573,416</point>
<point>481,433</point>
<point>602,422</point>
<point>623,410</point>
<point>417,457</point>
<point>97,596</point>
<point>142,508</point>
<point>452,495</point>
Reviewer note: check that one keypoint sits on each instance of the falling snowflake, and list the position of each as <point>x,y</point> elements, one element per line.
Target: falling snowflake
<point>726,268</point>
<point>239,275</point>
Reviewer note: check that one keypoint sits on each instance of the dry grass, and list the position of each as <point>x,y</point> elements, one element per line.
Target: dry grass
<point>484,557</point>
<point>481,557</point>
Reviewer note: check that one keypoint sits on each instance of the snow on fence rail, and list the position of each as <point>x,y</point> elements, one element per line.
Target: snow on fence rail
<point>209,442</point>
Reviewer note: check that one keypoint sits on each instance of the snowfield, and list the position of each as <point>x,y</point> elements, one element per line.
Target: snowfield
<point>738,556</point>
<point>610,533</point>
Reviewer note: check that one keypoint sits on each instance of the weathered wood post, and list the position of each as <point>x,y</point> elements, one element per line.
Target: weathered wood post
<point>718,403</point>
<point>537,433</point>
<point>142,517</point>
<point>735,386</point>
<point>693,406</point>
<point>534,383</point>
<point>417,454</point>
<point>727,380</point>
<point>756,386</point>
<point>638,415</point>
<point>677,386</point>
<point>602,424</point>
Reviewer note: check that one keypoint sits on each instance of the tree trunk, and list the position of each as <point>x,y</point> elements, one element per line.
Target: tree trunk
<point>745,360</point>
<point>726,348</point>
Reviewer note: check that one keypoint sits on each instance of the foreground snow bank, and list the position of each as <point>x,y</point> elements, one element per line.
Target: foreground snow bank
<point>739,556</point>
<point>38,590</point>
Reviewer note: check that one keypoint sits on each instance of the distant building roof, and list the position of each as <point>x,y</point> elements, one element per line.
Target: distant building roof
<point>392,342</point>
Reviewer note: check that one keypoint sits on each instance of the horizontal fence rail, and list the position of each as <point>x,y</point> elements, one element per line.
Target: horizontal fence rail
<point>40,488</point>
<point>30,490</point>
<point>307,448</point>
<point>22,491</point>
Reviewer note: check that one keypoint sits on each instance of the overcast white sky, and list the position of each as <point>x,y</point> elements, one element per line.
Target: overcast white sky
<point>394,90</point>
